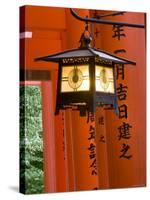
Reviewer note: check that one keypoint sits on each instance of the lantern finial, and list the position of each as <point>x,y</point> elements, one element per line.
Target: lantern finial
<point>85,39</point>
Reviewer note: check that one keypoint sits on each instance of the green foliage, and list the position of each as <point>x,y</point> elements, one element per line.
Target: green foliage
<point>31,144</point>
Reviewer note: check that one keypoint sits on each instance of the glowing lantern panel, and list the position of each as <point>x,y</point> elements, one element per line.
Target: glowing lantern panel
<point>75,78</point>
<point>104,79</point>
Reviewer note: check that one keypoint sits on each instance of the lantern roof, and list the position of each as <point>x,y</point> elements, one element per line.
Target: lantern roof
<point>85,52</point>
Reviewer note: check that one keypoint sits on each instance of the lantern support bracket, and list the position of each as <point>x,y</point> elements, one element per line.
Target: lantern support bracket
<point>107,22</point>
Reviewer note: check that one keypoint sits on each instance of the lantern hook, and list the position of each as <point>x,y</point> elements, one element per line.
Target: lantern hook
<point>86,37</point>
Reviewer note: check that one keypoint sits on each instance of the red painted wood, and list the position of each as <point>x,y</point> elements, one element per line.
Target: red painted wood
<point>46,40</point>
<point>69,151</point>
<point>48,138</point>
<point>124,172</point>
<point>77,151</point>
<point>61,180</point>
<point>101,147</point>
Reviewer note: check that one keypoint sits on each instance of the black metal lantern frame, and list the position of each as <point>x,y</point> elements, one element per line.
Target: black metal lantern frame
<point>85,100</point>
<point>72,64</point>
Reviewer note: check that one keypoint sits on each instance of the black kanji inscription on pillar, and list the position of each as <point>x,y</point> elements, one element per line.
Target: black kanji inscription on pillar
<point>120,71</point>
<point>94,167</point>
<point>92,151</point>
<point>122,92</point>
<point>124,131</point>
<point>124,151</point>
<point>90,117</point>
<point>123,111</point>
<point>102,139</point>
<point>118,31</point>
<point>101,120</point>
<point>91,132</point>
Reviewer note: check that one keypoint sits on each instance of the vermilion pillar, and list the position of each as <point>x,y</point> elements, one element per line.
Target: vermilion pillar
<point>61,179</point>
<point>48,137</point>
<point>129,171</point>
<point>79,172</point>
<point>101,147</point>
